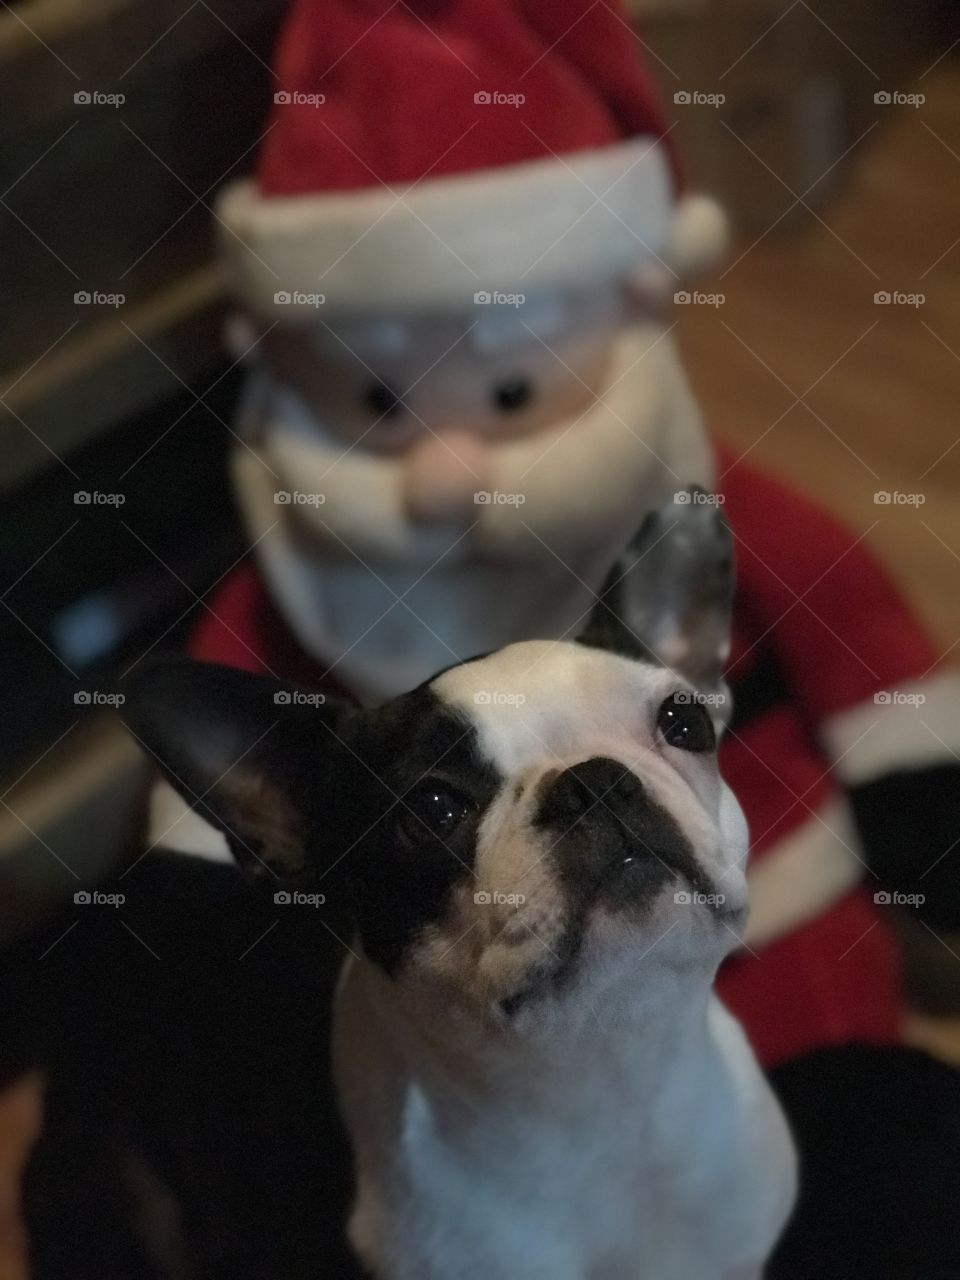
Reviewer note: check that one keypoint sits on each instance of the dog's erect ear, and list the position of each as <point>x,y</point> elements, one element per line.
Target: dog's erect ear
<point>255,758</point>
<point>668,598</point>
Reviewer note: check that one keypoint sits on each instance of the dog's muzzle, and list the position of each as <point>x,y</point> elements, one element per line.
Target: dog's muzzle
<point>613,844</point>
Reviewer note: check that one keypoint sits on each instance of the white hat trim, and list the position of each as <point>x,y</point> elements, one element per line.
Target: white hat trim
<point>519,228</point>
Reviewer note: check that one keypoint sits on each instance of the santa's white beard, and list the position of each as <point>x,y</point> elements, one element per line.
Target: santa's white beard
<point>386,602</point>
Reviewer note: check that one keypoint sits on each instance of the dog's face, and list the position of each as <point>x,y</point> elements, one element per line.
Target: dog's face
<point>594,825</point>
<point>521,829</point>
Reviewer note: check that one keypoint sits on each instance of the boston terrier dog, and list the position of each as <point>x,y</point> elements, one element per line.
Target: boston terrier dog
<point>534,869</point>
<point>540,869</point>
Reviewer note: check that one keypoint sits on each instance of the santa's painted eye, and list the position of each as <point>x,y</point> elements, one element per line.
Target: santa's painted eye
<point>685,723</point>
<point>384,402</point>
<point>512,394</point>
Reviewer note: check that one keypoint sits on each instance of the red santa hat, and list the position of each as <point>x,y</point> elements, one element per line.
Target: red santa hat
<point>422,151</point>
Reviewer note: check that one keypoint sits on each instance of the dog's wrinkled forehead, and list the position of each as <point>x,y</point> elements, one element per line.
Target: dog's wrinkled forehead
<point>547,701</point>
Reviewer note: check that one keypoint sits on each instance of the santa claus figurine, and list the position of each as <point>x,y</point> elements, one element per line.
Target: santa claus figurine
<point>452,263</point>
<point>452,267</point>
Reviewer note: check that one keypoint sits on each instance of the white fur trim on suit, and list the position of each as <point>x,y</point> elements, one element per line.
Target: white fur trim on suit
<point>517,228</point>
<point>808,871</point>
<point>912,726</point>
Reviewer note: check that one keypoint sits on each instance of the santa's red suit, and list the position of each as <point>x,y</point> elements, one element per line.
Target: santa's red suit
<point>841,751</point>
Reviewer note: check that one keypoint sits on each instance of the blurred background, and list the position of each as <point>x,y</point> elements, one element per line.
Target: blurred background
<point>828,351</point>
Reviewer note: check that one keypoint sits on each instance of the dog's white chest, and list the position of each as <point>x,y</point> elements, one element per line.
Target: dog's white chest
<point>575,1206</point>
<point>687,1178</point>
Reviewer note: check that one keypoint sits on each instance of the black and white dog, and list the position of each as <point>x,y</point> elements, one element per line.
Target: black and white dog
<point>536,869</point>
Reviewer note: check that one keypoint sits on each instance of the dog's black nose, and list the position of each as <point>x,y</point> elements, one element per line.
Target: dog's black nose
<point>596,787</point>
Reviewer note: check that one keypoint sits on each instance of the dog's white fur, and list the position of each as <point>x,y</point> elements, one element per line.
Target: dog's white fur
<point>615,1127</point>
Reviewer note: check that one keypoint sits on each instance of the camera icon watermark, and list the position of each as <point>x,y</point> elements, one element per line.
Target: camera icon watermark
<point>98,698</point>
<point>696,98</point>
<point>298,698</point>
<point>897,298</point>
<point>493,898</point>
<point>894,898</point>
<point>96,298</point>
<point>698,498</point>
<point>294,98</point>
<point>898,698</point>
<point>96,98</point>
<point>894,98</point>
<point>498,698</point>
<point>95,898</point>
<point>296,498</point>
<point>496,98</point>
<point>894,498</point>
<point>697,298</point>
<point>295,898</point>
<point>497,298</point>
<point>693,697</point>
<point>494,498</point>
<point>298,298</point>
<point>694,898</point>
<point>94,498</point>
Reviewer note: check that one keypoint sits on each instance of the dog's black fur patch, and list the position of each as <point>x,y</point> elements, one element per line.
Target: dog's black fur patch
<point>187,1031</point>
<point>309,793</point>
<point>396,893</point>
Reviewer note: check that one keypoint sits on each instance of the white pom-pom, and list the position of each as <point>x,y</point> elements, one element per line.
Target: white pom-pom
<point>699,235</point>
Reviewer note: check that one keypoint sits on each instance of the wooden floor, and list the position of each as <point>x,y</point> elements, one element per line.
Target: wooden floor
<point>883,409</point>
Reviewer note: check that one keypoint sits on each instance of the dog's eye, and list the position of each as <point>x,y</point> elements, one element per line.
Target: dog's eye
<point>431,811</point>
<point>685,723</point>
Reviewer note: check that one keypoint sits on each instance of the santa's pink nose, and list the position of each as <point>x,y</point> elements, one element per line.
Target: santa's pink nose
<point>443,473</point>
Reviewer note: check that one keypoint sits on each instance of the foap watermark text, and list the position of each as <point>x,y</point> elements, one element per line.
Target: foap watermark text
<point>98,698</point>
<point>494,498</point>
<point>897,698</point>
<point>298,698</point>
<point>295,898</point>
<point>697,98</point>
<point>497,98</point>
<point>698,498</point>
<point>498,698</point>
<point>894,498</point>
